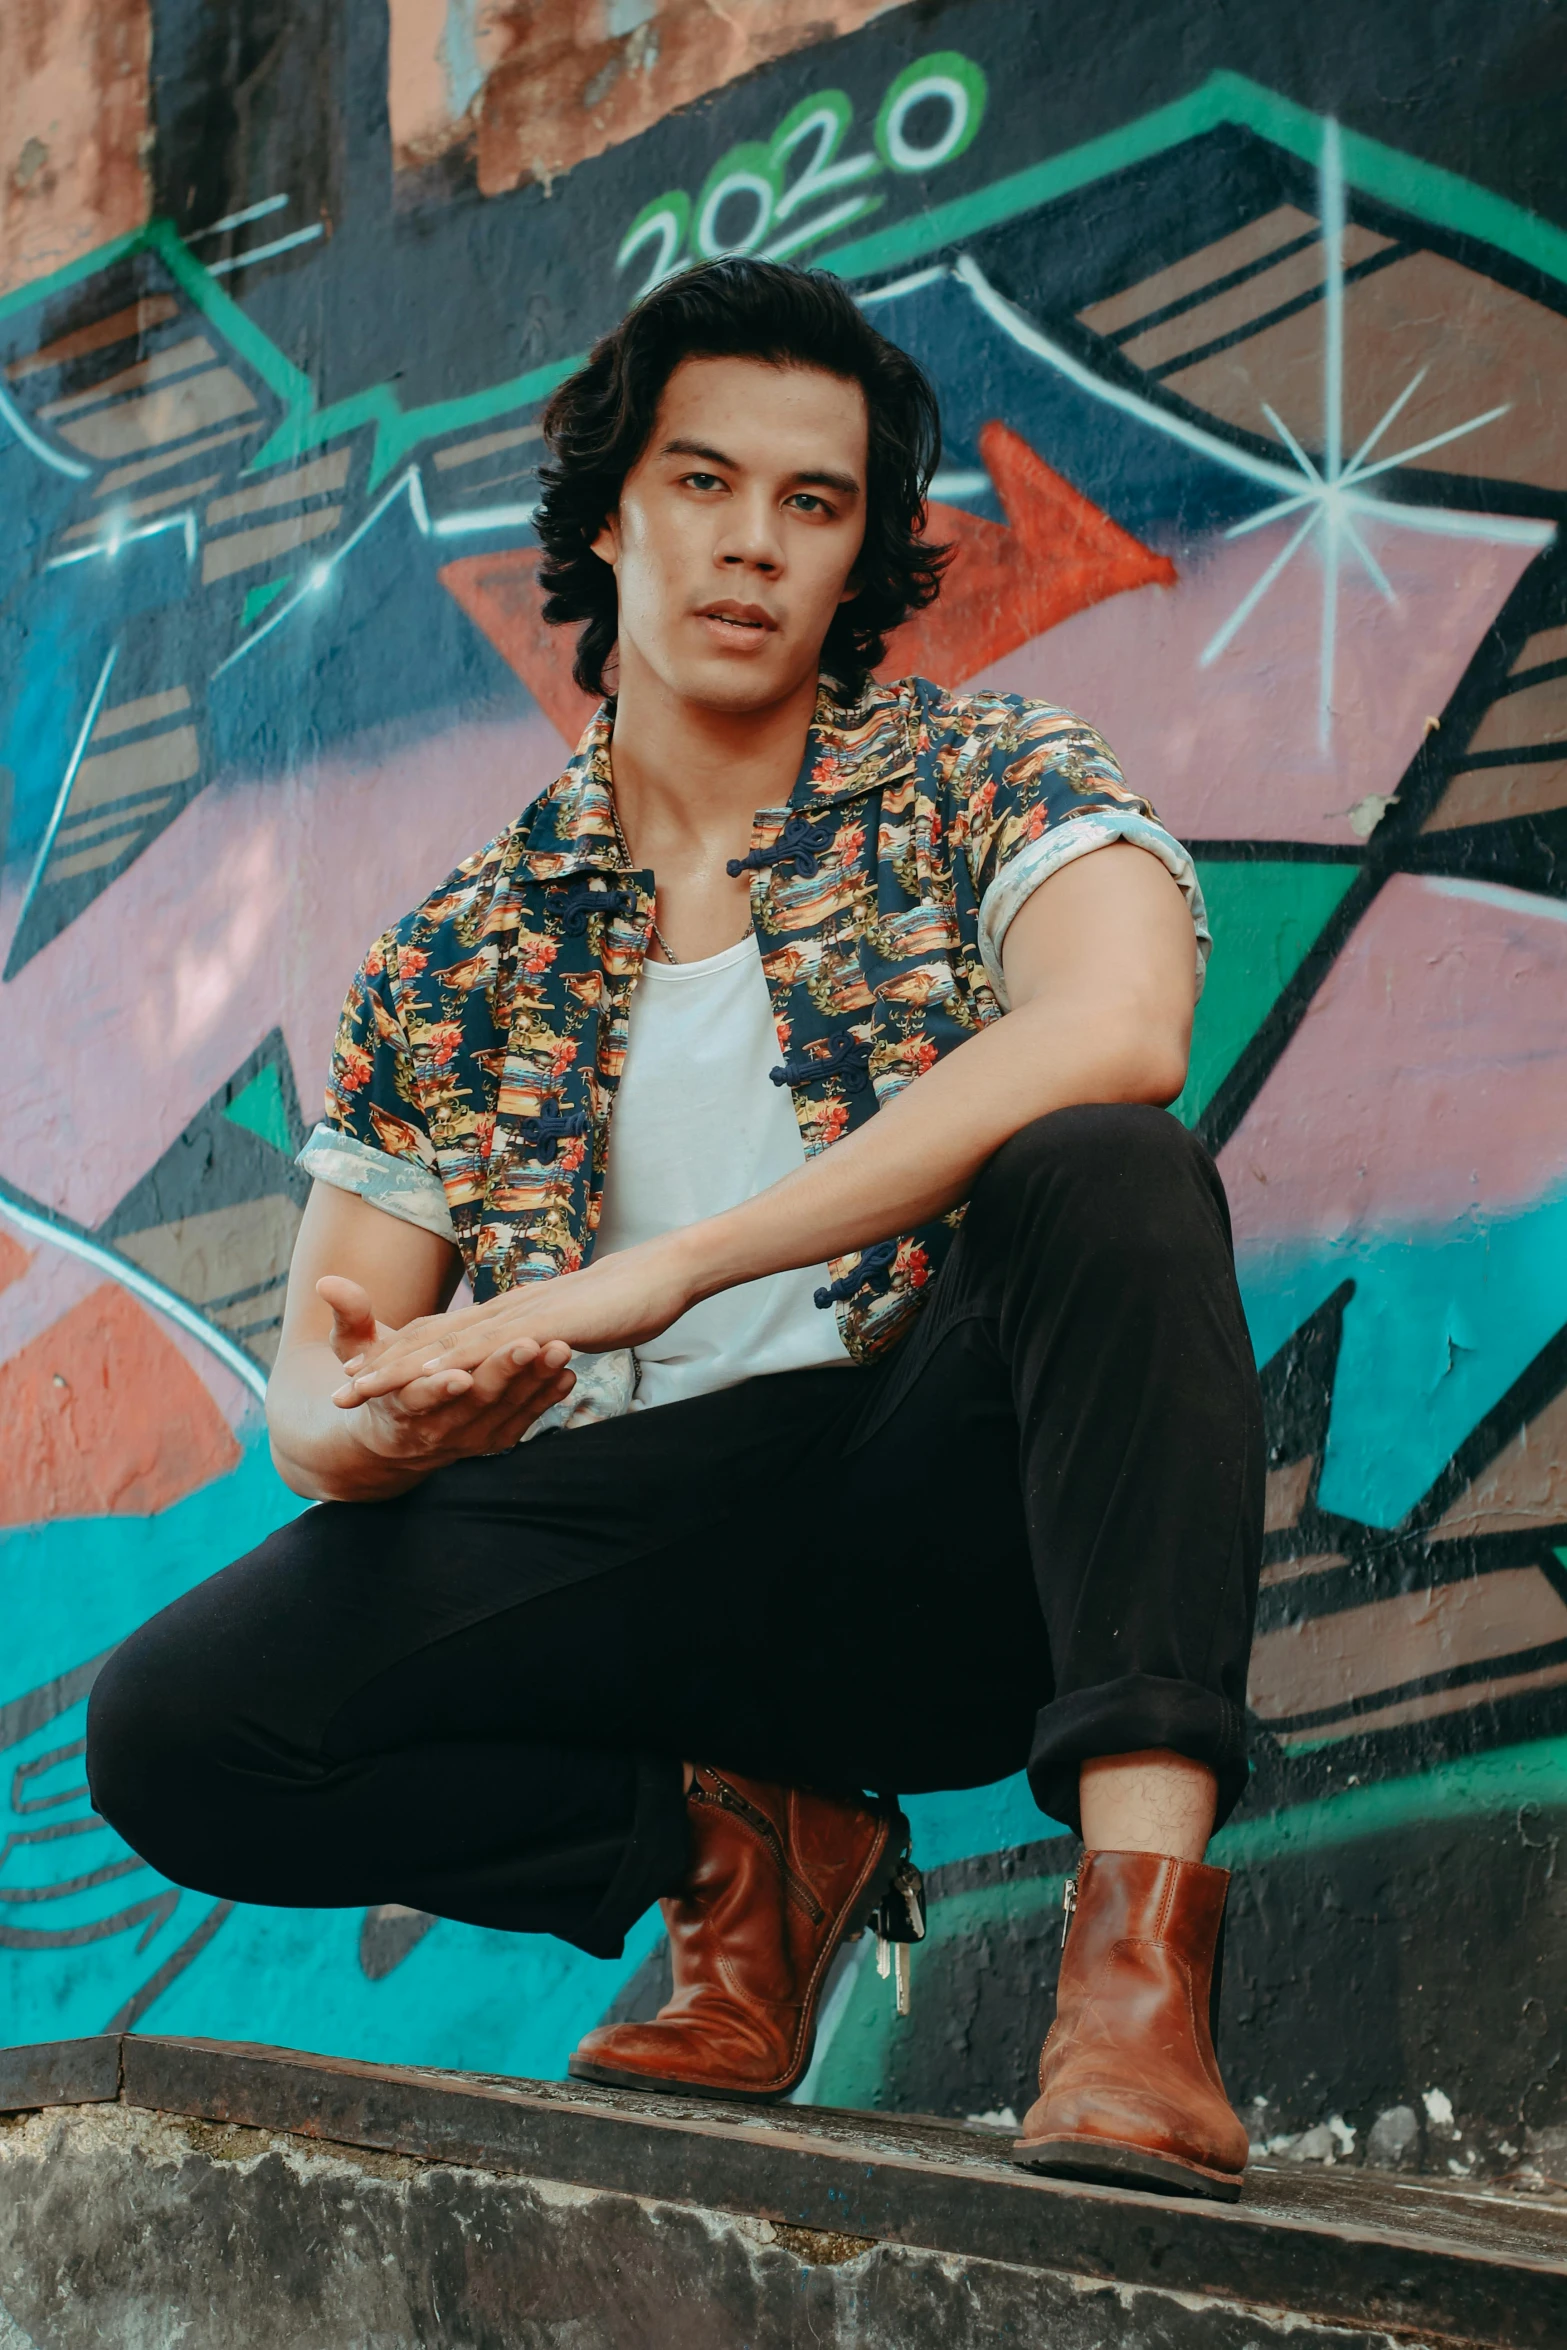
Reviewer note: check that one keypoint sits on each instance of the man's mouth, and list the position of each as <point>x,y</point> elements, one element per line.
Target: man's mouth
<point>749,617</point>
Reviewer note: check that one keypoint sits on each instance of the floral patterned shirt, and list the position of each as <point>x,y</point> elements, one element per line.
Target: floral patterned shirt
<point>473,1078</point>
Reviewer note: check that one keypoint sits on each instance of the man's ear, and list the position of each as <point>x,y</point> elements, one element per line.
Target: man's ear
<point>606,545</point>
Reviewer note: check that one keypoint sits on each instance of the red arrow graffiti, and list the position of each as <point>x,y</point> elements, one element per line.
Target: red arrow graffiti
<point>501,595</point>
<point>1056,554</point>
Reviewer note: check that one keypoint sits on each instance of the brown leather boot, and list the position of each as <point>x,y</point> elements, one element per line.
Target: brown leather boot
<point>780,1878</point>
<point>1129,2085</point>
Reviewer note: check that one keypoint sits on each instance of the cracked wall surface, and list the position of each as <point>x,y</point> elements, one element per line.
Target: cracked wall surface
<point>143,2230</point>
<point>533,91</point>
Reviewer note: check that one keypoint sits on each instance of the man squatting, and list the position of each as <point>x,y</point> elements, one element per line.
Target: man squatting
<point>855,1392</point>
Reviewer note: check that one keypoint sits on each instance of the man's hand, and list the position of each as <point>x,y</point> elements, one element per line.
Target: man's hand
<point>456,1416</point>
<point>620,1301</point>
<point>433,1421</point>
<point>347,1254</point>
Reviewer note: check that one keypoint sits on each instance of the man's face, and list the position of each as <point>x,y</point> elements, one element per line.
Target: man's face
<point>738,530</point>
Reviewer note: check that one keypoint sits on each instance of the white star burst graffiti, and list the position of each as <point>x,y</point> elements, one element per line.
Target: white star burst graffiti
<point>1331,496</point>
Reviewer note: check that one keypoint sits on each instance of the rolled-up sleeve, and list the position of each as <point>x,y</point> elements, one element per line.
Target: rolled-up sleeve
<point>396,1186</point>
<point>373,1138</point>
<point>1053,792</point>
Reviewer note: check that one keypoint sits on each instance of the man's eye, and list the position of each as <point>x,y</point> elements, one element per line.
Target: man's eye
<point>704,481</point>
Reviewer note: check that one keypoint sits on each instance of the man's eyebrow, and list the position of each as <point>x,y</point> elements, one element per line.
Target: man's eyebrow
<point>819,477</point>
<point>698,449</point>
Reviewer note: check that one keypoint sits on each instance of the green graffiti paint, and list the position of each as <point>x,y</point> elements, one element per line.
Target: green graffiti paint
<point>1023,191</point>
<point>397,431</point>
<point>1469,1787</point>
<point>258,598</point>
<point>1440,197</point>
<point>1265,917</point>
<point>60,281</point>
<point>262,1110</point>
<point>764,185</point>
<point>856,2066</point>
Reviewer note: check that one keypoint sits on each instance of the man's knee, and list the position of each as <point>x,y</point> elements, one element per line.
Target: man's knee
<point>151,1734</point>
<point>1124,1167</point>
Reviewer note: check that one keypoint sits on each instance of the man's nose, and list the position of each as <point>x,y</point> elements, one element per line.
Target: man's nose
<point>751,540</point>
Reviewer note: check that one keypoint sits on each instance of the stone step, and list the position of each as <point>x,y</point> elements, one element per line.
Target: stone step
<point>240,2197</point>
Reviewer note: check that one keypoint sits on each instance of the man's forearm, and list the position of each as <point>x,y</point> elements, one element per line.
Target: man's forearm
<point>920,1154</point>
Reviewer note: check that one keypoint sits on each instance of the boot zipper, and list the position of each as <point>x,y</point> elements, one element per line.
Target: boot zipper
<point>730,1799</point>
<point>1069,1905</point>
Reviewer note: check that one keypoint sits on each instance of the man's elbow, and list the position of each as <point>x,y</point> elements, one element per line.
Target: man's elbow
<point>299,1480</point>
<point>1150,1062</point>
<point>1159,1076</point>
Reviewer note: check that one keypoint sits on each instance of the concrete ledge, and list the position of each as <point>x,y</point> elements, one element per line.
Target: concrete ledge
<point>1379,2258</point>
<point>61,2072</point>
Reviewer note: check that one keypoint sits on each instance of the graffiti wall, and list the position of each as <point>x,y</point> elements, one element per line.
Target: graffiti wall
<point>1249,338</point>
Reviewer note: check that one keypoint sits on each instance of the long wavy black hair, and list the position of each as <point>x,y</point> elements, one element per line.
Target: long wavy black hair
<point>598,422</point>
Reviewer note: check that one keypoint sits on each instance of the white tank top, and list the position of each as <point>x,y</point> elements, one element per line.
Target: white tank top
<point>699,1127</point>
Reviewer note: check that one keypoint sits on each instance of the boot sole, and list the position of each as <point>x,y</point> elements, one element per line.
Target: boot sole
<point>1107,2164</point>
<point>670,2085</point>
<point>610,2076</point>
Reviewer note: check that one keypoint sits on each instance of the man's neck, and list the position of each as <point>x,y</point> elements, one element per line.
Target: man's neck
<point>686,771</point>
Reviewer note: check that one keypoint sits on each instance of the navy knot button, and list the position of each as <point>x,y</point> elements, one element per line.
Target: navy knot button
<point>802,844</point>
<point>545,1133</point>
<point>849,1059</point>
<point>582,899</point>
<point>873,1272</point>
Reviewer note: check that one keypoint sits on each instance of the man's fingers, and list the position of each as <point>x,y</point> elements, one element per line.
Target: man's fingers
<point>516,1422</point>
<point>411,1356</point>
<point>423,1397</point>
<point>396,1377</point>
<point>515,1369</point>
<point>500,1377</point>
<point>480,1328</point>
<point>353,1316</point>
<point>413,1400</point>
<point>467,1352</point>
<point>397,1368</point>
<point>521,1358</point>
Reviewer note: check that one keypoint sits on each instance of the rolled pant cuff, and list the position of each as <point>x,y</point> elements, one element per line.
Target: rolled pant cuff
<point>656,1859</point>
<point>1128,1717</point>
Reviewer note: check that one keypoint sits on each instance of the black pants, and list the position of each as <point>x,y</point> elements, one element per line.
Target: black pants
<point>1031,1535</point>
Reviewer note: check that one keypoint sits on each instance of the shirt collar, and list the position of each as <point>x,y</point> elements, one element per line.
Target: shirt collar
<point>854,747</point>
<point>850,749</point>
<point>570,827</point>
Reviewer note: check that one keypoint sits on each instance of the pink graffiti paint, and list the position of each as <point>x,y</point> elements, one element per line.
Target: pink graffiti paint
<point>1231,751</point>
<point>250,912</point>
<point>1426,1081</point>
